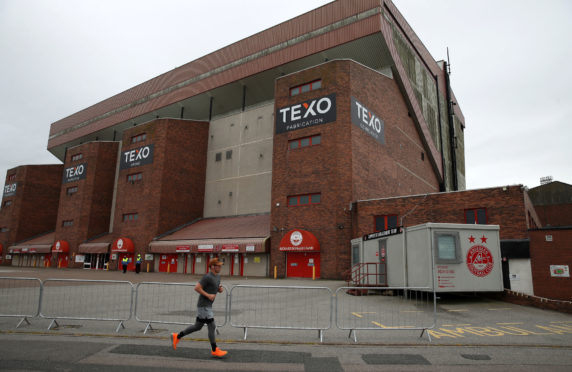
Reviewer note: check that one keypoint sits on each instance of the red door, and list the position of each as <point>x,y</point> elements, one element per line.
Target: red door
<point>301,264</point>
<point>168,263</point>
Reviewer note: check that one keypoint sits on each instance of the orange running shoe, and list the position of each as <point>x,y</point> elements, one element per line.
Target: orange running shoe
<point>174,340</point>
<point>219,353</point>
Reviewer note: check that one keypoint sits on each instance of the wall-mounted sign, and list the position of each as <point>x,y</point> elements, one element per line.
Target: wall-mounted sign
<point>306,114</point>
<point>136,157</point>
<point>205,247</point>
<point>75,173</point>
<point>183,248</point>
<point>299,241</point>
<point>367,120</point>
<point>10,190</point>
<point>562,271</point>
<point>230,248</point>
<point>383,234</point>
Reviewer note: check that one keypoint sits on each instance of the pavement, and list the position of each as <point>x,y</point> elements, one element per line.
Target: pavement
<point>470,334</point>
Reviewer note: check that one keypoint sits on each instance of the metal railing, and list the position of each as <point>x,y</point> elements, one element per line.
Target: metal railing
<point>243,306</point>
<point>271,307</point>
<point>173,303</point>
<point>86,300</point>
<point>20,298</point>
<point>391,308</point>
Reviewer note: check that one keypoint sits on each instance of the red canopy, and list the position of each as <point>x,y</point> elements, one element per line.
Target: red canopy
<point>61,246</point>
<point>299,241</point>
<point>123,245</point>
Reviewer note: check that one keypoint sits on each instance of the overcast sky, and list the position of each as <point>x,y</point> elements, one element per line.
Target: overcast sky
<point>510,64</point>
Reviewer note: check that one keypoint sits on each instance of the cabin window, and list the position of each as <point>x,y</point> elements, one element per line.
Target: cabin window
<point>447,247</point>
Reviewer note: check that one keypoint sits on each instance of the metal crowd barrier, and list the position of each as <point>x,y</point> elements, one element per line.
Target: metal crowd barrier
<point>20,298</point>
<point>173,303</point>
<point>86,300</point>
<point>390,308</point>
<point>244,306</point>
<point>272,307</point>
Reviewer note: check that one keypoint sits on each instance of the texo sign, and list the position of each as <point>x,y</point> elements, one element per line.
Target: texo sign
<point>306,114</point>
<point>368,121</point>
<point>10,190</point>
<point>76,173</point>
<point>136,157</point>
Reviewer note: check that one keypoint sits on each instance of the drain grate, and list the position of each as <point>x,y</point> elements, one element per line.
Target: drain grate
<point>476,356</point>
<point>411,359</point>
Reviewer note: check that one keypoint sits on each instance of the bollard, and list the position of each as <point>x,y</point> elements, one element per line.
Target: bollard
<point>147,266</point>
<point>168,267</point>
<point>313,272</point>
<point>275,271</point>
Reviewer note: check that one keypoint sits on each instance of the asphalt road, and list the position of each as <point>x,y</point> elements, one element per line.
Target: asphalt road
<point>471,333</point>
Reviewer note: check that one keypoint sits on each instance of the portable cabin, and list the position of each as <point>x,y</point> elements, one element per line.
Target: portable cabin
<point>447,257</point>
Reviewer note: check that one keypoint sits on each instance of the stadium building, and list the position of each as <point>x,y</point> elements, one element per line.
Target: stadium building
<point>258,152</point>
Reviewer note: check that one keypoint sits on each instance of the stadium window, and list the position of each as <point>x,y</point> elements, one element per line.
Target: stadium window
<point>7,203</point>
<point>385,222</point>
<point>67,223</point>
<point>218,156</point>
<point>139,138</point>
<point>130,217</point>
<point>476,216</point>
<point>11,177</point>
<point>77,157</point>
<point>134,177</point>
<point>304,142</point>
<point>305,199</point>
<point>229,154</point>
<point>316,84</point>
<point>71,190</point>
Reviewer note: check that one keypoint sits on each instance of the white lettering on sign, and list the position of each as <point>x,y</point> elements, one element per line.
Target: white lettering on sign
<point>323,105</point>
<point>305,114</point>
<point>75,171</point>
<point>136,157</point>
<point>367,120</point>
<point>138,154</point>
<point>10,189</point>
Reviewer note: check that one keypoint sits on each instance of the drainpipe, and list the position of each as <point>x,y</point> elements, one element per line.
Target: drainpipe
<point>450,115</point>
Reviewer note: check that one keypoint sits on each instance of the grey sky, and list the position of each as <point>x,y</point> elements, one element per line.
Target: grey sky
<point>509,68</point>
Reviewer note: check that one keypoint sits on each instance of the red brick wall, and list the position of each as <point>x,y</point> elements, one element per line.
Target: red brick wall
<point>347,165</point>
<point>505,207</point>
<point>35,204</point>
<point>90,206</point>
<point>545,253</point>
<point>171,192</point>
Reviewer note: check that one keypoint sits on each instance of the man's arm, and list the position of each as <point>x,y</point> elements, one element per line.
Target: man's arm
<point>199,289</point>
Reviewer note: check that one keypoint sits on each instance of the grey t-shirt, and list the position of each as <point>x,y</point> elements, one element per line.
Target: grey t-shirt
<point>210,283</point>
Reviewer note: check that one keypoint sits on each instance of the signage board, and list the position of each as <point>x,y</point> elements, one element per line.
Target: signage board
<point>315,111</point>
<point>136,157</point>
<point>367,120</point>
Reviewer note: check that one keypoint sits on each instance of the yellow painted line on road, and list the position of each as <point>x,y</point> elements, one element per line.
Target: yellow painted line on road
<point>500,309</point>
<point>562,321</point>
<point>456,325</point>
<point>459,310</point>
<point>386,327</point>
<point>358,315</point>
<point>509,323</point>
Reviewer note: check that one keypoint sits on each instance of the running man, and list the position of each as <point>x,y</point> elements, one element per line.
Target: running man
<point>207,287</point>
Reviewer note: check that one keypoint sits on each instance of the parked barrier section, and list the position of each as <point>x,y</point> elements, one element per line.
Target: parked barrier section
<point>383,308</point>
<point>173,303</point>
<point>20,298</point>
<point>86,300</point>
<point>273,307</point>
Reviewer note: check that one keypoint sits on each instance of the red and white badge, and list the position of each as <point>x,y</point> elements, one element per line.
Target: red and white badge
<point>480,261</point>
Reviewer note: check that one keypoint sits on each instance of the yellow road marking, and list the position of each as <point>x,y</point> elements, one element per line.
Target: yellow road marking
<point>356,314</point>
<point>500,308</point>
<point>508,323</point>
<point>456,325</point>
<point>459,310</point>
